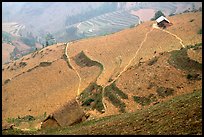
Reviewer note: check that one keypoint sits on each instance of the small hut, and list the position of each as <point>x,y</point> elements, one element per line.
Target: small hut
<point>163,22</point>
<point>67,115</point>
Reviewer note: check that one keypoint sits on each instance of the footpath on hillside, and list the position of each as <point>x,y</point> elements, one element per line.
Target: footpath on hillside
<point>154,26</point>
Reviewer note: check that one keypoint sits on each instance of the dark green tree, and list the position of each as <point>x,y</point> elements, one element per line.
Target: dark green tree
<point>157,15</point>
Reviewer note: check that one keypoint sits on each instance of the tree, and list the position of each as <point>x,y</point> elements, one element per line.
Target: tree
<point>47,44</point>
<point>50,40</point>
<point>157,15</point>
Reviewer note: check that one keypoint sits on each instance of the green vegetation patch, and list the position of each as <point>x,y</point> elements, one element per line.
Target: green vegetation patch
<point>200,31</point>
<point>195,47</point>
<point>18,120</point>
<point>181,115</point>
<point>180,60</point>
<point>144,101</point>
<point>45,64</point>
<point>64,57</point>
<point>164,92</point>
<point>157,15</point>
<point>83,61</point>
<point>22,64</point>
<point>114,94</point>
<point>7,81</point>
<point>119,92</point>
<point>91,97</point>
<point>194,76</point>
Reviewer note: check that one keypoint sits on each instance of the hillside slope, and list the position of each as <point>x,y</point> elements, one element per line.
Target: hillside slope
<point>181,115</point>
<point>130,70</point>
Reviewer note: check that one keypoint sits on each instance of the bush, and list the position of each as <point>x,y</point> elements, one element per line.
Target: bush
<point>22,64</point>
<point>64,57</point>
<point>87,102</point>
<point>157,15</point>
<point>142,100</point>
<point>152,61</point>
<point>191,20</point>
<point>45,64</point>
<point>164,92</point>
<point>193,77</point>
<point>200,31</point>
<point>6,81</point>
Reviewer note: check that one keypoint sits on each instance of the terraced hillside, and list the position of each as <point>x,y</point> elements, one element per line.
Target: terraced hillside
<point>107,23</point>
<point>13,28</point>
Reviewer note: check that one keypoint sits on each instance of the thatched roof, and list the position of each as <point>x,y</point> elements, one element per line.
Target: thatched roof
<point>68,114</point>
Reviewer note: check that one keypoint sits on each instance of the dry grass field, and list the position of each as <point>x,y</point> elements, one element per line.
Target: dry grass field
<point>43,81</point>
<point>6,50</point>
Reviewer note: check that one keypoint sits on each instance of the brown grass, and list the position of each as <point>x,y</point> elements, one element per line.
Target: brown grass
<point>6,50</point>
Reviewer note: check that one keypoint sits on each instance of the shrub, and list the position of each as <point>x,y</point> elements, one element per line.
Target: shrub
<point>6,81</point>
<point>157,15</point>
<point>87,102</point>
<point>45,64</point>
<point>164,92</point>
<point>152,61</point>
<point>145,100</point>
<point>191,20</point>
<point>200,31</point>
<point>18,120</point>
<point>22,64</point>
<point>64,57</point>
<point>193,77</point>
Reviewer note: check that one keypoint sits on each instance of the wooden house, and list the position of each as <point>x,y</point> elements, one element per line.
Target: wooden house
<point>66,115</point>
<point>163,22</point>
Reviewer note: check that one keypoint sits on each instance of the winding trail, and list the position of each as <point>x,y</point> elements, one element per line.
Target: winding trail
<point>125,68</point>
<point>181,41</point>
<point>78,89</point>
<point>154,26</point>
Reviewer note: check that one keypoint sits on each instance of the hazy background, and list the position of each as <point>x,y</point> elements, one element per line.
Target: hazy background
<point>30,25</point>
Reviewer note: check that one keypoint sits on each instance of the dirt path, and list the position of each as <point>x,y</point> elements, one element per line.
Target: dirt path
<point>78,89</point>
<point>181,42</point>
<point>125,68</point>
